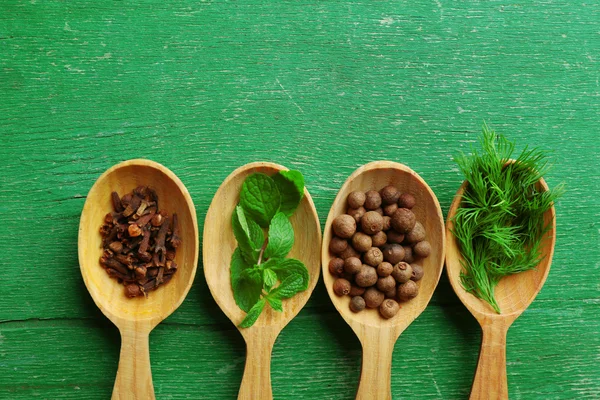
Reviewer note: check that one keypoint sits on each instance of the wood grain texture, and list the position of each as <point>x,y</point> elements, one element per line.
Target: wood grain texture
<point>205,87</point>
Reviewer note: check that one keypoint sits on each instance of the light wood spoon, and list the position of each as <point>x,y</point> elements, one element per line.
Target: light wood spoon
<point>136,317</point>
<point>378,335</point>
<point>514,293</point>
<point>218,246</point>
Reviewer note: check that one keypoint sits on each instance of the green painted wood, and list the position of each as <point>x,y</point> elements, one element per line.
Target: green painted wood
<point>204,87</point>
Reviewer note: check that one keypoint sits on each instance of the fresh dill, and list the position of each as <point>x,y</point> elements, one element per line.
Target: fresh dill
<point>500,223</point>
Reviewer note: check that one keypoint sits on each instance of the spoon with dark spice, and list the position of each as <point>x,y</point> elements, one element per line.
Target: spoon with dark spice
<point>136,317</point>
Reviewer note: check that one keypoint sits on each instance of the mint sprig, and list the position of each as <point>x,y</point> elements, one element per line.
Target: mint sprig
<point>260,272</point>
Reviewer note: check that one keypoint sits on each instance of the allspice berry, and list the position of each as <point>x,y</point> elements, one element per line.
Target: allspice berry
<point>371,223</point>
<point>379,211</point>
<point>417,272</point>
<point>395,237</point>
<point>344,226</point>
<point>349,252</point>
<point>389,195</point>
<point>422,249</point>
<point>356,290</point>
<point>357,304</point>
<point>407,291</point>
<point>341,287</point>
<point>408,254</point>
<point>389,308</point>
<point>379,239</point>
<point>366,277</point>
<point>402,272</point>
<point>373,257</point>
<point>336,266</point>
<point>373,297</point>
<point>393,253</point>
<point>361,242</point>
<point>385,269</point>
<point>391,294</point>
<point>356,199</point>
<point>386,284</point>
<point>406,200</point>
<point>387,223</point>
<point>352,265</point>
<point>416,234</point>
<point>403,220</point>
<point>356,213</point>
<point>390,209</point>
<point>337,245</point>
<point>373,200</point>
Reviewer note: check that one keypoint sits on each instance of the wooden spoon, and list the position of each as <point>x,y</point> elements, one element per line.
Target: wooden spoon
<point>378,335</point>
<point>514,293</point>
<point>218,246</point>
<point>136,317</point>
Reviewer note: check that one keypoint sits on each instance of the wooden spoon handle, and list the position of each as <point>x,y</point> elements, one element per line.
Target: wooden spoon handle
<point>490,379</point>
<point>256,382</point>
<point>375,373</point>
<point>134,377</point>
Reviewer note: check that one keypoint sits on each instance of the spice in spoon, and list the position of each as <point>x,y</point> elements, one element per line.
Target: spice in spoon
<point>499,225</point>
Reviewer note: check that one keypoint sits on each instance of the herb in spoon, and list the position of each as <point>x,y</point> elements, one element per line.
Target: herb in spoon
<point>500,225</point>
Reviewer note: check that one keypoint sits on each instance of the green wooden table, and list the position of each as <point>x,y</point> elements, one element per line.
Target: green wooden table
<point>206,86</point>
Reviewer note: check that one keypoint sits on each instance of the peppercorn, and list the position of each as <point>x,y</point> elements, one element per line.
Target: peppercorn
<point>406,200</point>
<point>361,242</point>
<point>387,223</point>
<point>352,265</point>
<point>341,287</point>
<point>379,239</point>
<point>344,226</point>
<point>389,308</point>
<point>366,277</point>
<point>403,220</point>
<point>356,199</point>
<point>393,253</point>
<point>391,294</point>
<point>373,200</point>
<point>371,223</point>
<point>386,283</point>
<point>417,272</point>
<point>349,252</point>
<point>407,291</point>
<point>373,297</point>
<point>402,272</point>
<point>357,304</point>
<point>356,213</point>
<point>337,245</point>
<point>336,266</point>
<point>356,290</point>
<point>373,257</point>
<point>390,209</point>
<point>422,249</point>
<point>394,237</point>
<point>384,269</point>
<point>389,195</point>
<point>417,234</point>
<point>408,254</point>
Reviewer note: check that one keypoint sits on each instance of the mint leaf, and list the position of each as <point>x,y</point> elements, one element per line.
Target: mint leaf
<point>257,236</point>
<point>246,288</point>
<point>275,303</point>
<point>291,285</point>
<point>291,187</point>
<point>253,314</point>
<point>269,278</point>
<point>241,231</point>
<point>260,198</point>
<point>281,236</point>
<point>290,266</point>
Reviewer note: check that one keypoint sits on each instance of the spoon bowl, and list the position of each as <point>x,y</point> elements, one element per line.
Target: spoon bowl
<point>376,334</point>
<point>136,317</point>
<point>218,246</point>
<point>514,293</point>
